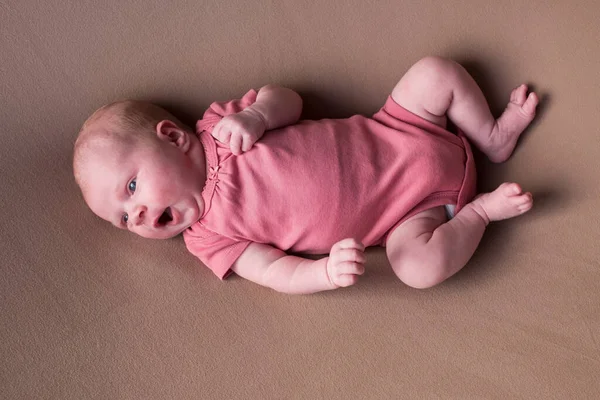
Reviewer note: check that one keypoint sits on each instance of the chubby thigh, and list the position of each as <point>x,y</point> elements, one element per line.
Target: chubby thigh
<point>409,250</point>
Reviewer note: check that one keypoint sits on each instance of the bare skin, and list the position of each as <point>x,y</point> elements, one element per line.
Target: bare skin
<point>423,251</point>
<point>427,249</point>
<point>436,89</point>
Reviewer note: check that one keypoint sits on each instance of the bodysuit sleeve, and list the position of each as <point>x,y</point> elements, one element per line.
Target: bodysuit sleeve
<point>217,252</point>
<point>220,109</point>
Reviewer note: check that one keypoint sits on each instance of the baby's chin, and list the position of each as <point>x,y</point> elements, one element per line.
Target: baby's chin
<point>162,235</point>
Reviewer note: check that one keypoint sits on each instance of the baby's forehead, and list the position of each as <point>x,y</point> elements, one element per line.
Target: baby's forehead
<point>99,165</point>
<point>100,143</point>
<point>98,154</point>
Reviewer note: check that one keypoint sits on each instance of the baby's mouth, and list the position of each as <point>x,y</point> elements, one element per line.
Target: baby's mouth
<point>165,217</point>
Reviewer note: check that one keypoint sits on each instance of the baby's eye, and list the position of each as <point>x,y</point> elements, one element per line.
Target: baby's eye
<point>132,185</point>
<point>125,218</point>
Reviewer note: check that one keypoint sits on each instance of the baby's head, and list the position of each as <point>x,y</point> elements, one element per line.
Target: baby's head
<point>141,169</point>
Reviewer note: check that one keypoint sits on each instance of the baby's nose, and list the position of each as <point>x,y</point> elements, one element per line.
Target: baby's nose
<point>139,214</point>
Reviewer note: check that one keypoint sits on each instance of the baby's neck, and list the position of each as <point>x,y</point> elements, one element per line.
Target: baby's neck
<point>198,158</point>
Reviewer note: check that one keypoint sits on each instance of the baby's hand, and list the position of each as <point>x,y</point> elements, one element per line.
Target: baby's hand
<point>346,262</point>
<point>240,130</point>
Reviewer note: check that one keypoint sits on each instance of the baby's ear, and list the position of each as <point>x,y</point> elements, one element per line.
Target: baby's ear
<point>169,132</point>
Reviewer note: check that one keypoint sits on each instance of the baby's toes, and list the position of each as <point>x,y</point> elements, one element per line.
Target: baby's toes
<point>525,202</point>
<point>522,202</point>
<point>510,189</point>
<point>525,207</point>
<point>530,104</point>
<point>519,95</point>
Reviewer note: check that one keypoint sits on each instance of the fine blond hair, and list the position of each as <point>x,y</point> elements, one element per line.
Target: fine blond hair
<point>126,121</point>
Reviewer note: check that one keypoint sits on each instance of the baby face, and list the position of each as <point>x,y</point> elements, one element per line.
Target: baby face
<point>153,189</point>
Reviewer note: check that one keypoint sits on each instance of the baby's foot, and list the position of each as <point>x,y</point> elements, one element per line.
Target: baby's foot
<point>518,114</point>
<point>507,201</point>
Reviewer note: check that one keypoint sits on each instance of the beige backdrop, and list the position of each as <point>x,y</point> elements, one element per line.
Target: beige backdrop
<point>89,312</point>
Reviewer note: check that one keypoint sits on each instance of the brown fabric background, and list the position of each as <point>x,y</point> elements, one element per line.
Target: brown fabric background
<point>89,312</point>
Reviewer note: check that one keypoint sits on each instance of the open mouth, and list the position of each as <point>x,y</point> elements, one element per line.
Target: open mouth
<point>165,217</point>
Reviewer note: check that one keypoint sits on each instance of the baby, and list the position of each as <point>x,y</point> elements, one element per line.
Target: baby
<point>252,183</point>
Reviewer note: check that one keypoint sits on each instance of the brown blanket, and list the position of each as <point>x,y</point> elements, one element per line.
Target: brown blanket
<point>90,312</point>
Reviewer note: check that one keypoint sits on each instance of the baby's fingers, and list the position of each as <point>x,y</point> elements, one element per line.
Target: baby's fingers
<point>349,243</point>
<point>235,143</point>
<point>248,141</point>
<point>346,280</point>
<point>350,268</point>
<point>349,255</point>
<point>221,133</point>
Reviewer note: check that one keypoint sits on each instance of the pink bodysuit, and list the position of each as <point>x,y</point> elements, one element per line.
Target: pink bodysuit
<point>304,187</point>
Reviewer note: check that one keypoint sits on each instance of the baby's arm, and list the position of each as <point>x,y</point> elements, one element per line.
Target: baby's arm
<point>274,107</point>
<point>273,268</point>
<point>278,106</point>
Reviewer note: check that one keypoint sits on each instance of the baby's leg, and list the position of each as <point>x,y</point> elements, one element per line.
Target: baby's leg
<point>435,87</point>
<point>425,250</point>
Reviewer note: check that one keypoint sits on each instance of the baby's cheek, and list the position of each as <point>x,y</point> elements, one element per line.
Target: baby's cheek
<point>165,196</point>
